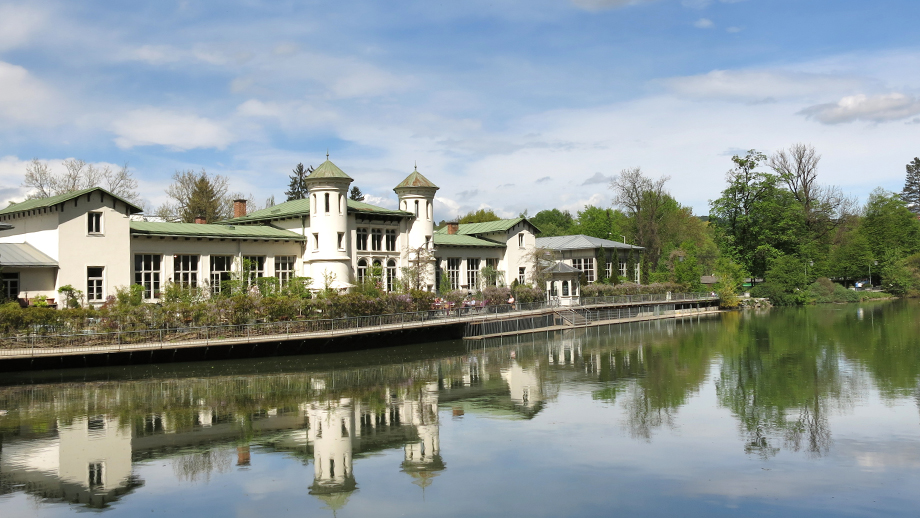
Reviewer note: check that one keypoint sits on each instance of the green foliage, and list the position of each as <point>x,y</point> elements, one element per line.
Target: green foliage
<point>731,276</point>
<point>72,296</point>
<point>911,192</point>
<point>554,222</point>
<point>355,194</point>
<point>901,277</point>
<point>889,227</point>
<point>297,188</point>
<point>527,294</point>
<point>785,282</point>
<point>480,216</point>
<point>628,288</point>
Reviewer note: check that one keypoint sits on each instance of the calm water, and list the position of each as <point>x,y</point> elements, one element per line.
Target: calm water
<point>789,412</point>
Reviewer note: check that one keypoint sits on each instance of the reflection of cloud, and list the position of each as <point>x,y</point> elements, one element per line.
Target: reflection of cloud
<point>879,108</point>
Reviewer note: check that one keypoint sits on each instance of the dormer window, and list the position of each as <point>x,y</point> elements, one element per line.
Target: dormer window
<point>94,222</point>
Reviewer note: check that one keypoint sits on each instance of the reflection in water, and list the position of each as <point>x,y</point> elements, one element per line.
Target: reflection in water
<point>780,375</point>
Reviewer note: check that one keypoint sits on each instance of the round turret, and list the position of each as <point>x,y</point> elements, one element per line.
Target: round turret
<point>329,240</point>
<point>416,195</point>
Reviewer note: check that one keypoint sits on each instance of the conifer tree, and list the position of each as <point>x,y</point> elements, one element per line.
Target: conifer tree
<point>356,194</point>
<point>297,190</point>
<point>911,192</point>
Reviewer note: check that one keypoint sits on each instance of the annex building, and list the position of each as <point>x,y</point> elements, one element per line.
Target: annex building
<point>93,241</point>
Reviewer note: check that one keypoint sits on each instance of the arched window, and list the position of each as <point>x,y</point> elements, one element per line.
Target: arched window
<point>404,204</point>
<point>362,270</point>
<point>391,275</point>
<point>341,202</point>
<point>327,203</point>
<point>416,208</point>
<point>565,288</point>
<point>314,204</point>
<point>428,209</point>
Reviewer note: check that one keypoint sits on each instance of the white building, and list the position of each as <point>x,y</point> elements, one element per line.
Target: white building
<point>88,240</point>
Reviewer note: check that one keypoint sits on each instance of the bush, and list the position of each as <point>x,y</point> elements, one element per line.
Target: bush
<point>495,296</point>
<point>527,294</point>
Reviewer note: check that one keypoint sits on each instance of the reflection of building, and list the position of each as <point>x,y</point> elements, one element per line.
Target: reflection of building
<point>423,458</point>
<point>87,462</point>
<point>524,385</point>
<point>332,428</point>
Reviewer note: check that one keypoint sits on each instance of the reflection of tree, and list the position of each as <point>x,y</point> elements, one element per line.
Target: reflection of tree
<point>779,382</point>
<point>192,467</point>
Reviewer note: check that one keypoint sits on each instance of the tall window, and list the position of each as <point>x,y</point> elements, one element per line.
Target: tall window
<point>284,268</point>
<point>472,273</point>
<point>492,262</point>
<point>254,267</point>
<point>522,275</point>
<point>362,238</point>
<point>608,270</point>
<point>453,272</point>
<point>341,241</point>
<point>638,270</point>
<point>315,208</point>
<point>391,240</point>
<point>565,288</point>
<point>10,286</point>
<point>147,274</point>
<point>96,474</point>
<point>585,265</point>
<point>327,203</point>
<point>376,239</point>
<point>521,240</point>
<point>94,222</point>
<point>416,208</point>
<point>316,242</point>
<point>362,270</point>
<point>186,270</point>
<point>220,271</point>
<point>623,269</point>
<point>391,275</point>
<point>94,283</point>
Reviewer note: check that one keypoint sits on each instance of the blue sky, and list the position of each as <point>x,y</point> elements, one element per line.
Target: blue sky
<point>510,105</point>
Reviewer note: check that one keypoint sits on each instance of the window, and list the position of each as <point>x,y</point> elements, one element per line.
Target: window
<point>428,209</point>
<point>254,267</point>
<point>341,241</point>
<point>147,274</point>
<point>327,203</point>
<point>96,475</point>
<point>391,275</point>
<point>437,276</point>
<point>416,208</point>
<point>10,286</point>
<point>522,277</point>
<point>565,288</point>
<point>284,268</point>
<point>376,239</point>
<point>623,269</point>
<point>608,270</point>
<point>492,263</point>
<point>94,222</point>
<point>341,202</point>
<point>472,273</point>
<point>521,240</point>
<point>314,204</point>
<point>586,266</point>
<point>185,268</point>
<point>362,238</point>
<point>637,274</point>
<point>453,272</point>
<point>220,271</point>
<point>315,242</point>
<point>94,283</point>
<point>391,240</point>
<point>362,270</point>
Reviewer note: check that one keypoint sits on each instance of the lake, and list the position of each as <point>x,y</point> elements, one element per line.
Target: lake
<point>794,412</point>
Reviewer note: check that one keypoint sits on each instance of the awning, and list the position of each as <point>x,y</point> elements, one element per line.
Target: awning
<point>24,255</point>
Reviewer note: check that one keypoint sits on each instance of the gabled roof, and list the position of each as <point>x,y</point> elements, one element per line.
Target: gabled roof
<point>297,208</point>
<point>561,267</point>
<point>328,170</point>
<point>581,242</point>
<point>150,228</point>
<point>39,203</point>
<point>502,225</point>
<point>463,240</point>
<point>415,179</point>
<point>23,254</point>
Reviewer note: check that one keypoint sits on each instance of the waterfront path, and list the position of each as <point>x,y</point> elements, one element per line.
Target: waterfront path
<point>84,344</point>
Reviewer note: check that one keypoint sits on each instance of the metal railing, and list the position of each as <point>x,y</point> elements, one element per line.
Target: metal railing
<point>44,344</point>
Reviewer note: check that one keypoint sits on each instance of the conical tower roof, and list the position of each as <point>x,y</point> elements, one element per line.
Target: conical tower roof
<point>415,180</point>
<point>328,170</point>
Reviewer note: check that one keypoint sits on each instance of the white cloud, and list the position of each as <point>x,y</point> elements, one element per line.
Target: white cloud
<point>756,85</point>
<point>182,131</point>
<point>733,30</point>
<point>702,4</point>
<point>18,24</point>
<point>878,108</point>
<point>597,5</point>
<point>24,98</point>
<point>704,23</point>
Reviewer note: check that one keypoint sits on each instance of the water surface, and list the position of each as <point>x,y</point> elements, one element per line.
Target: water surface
<point>794,412</point>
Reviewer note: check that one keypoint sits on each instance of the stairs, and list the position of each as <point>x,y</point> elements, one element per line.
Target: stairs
<point>571,317</point>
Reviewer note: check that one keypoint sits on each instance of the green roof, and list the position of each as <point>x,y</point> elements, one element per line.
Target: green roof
<point>39,203</point>
<point>501,225</point>
<point>328,170</point>
<point>151,228</point>
<point>297,208</point>
<point>415,179</point>
<point>462,240</point>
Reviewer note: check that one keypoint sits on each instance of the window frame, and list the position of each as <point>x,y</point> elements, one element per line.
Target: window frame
<point>361,236</point>
<point>376,239</point>
<point>94,220</point>
<point>95,285</point>
<point>218,277</point>
<point>453,272</point>
<point>149,278</point>
<point>390,240</point>
<point>285,269</point>
<point>186,275</point>
<point>8,279</point>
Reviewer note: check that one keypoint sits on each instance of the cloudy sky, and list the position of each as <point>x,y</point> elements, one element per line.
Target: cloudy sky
<point>514,105</point>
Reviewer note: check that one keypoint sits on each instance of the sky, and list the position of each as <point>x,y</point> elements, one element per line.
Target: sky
<point>516,105</point>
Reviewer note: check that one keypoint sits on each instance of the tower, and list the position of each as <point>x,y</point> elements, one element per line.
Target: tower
<point>416,196</point>
<point>328,239</point>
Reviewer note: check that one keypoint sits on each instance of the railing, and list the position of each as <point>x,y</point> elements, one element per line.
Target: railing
<point>40,344</point>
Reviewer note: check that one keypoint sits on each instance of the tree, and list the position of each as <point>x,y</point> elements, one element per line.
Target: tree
<point>643,200</point>
<point>78,175</point>
<point>197,195</point>
<point>356,194</point>
<point>889,226</point>
<point>297,189</point>
<point>553,222</point>
<point>911,192</point>
<point>480,216</point>
<point>600,223</point>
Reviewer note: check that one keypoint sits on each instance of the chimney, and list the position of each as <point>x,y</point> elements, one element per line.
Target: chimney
<point>453,227</point>
<point>239,208</point>
<point>200,220</point>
